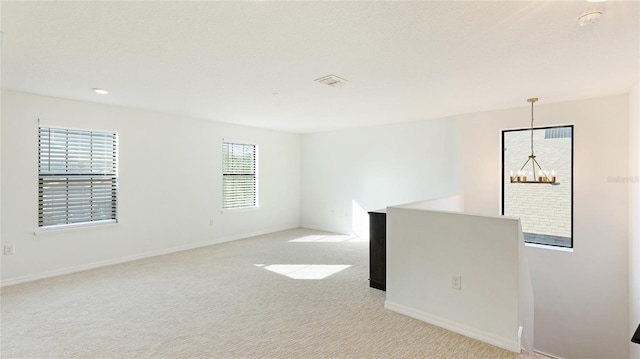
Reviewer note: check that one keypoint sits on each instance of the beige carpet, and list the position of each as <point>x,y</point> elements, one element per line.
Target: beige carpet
<point>243,299</point>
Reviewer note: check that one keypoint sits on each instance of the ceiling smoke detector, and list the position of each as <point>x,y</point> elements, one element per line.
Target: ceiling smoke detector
<point>333,81</point>
<point>589,17</point>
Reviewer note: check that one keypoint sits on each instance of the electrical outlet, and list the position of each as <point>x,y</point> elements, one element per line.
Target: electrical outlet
<point>8,249</point>
<point>456,282</point>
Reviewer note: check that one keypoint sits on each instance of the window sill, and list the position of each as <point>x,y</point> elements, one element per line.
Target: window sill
<point>74,227</point>
<point>239,209</point>
<point>553,248</point>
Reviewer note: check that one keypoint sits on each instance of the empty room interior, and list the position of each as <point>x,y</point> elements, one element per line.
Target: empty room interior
<point>215,179</point>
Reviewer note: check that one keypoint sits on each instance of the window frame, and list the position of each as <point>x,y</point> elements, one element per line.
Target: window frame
<point>111,176</point>
<point>503,180</point>
<point>256,203</point>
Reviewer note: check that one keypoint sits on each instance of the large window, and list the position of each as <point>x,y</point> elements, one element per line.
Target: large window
<point>545,210</point>
<point>239,183</point>
<point>77,176</point>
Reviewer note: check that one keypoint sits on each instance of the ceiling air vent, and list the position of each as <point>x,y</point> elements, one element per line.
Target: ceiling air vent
<point>333,81</point>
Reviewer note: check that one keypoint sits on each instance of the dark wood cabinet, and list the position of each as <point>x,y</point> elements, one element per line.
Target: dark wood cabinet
<point>378,249</point>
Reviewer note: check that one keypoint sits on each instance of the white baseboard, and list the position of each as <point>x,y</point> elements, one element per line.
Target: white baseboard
<point>108,262</point>
<point>546,355</point>
<point>505,343</point>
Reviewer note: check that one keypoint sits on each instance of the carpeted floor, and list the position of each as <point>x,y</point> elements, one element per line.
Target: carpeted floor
<point>291,294</point>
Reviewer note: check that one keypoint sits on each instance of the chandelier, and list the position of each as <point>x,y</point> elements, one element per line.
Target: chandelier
<point>536,174</point>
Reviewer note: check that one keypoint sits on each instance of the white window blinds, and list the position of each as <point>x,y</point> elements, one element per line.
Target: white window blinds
<point>77,174</point>
<point>238,175</point>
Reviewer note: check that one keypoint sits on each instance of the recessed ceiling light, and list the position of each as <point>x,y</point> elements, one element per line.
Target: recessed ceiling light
<point>100,91</point>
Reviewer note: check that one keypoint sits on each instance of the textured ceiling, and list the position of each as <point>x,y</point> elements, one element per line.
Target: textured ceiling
<point>406,61</point>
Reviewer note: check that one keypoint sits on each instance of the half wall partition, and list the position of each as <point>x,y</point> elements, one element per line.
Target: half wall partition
<point>464,272</point>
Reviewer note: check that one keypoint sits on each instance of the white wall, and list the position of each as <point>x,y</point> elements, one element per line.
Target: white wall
<point>169,186</point>
<point>426,248</point>
<point>346,173</point>
<point>581,298</point>
<point>634,217</point>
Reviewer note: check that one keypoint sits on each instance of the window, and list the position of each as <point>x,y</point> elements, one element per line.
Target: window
<point>77,176</point>
<point>545,210</point>
<point>239,187</point>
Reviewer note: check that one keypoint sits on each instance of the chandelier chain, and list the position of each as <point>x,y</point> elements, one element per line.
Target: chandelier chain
<point>532,128</point>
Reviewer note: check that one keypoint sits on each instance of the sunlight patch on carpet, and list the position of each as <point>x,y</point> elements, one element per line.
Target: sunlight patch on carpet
<point>305,271</point>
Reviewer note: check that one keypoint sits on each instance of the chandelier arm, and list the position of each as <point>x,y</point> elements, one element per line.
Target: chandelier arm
<point>540,168</point>
<point>525,164</point>
<point>544,174</point>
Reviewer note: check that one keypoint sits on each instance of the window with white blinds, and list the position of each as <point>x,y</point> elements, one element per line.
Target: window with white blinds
<point>77,176</point>
<point>239,186</point>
